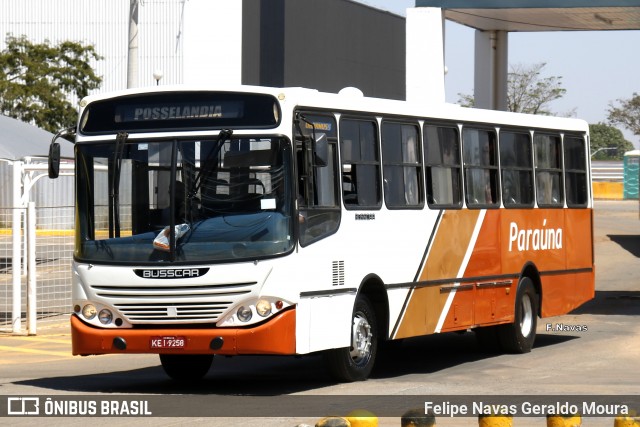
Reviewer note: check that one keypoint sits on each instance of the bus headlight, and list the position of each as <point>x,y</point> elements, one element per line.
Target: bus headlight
<point>263,307</point>
<point>105,316</point>
<point>244,314</point>
<point>89,311</point>
<point>253,310</point>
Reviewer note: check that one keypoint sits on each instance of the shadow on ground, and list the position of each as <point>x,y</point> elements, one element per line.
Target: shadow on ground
<point>273,375</point>
<point>612,302</point>
<point>630,243</point>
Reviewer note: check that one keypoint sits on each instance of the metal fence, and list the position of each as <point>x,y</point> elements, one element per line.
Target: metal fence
<point>607,171</point>
<point>52,235</point>
<point>6,268</point>
<point>54,253</point>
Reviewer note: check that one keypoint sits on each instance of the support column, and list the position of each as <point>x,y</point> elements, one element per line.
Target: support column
<point>425,55</point>
<point>16,265</point>
<point>491,70</point>
<point>213,41</point>
<point>32,305</point>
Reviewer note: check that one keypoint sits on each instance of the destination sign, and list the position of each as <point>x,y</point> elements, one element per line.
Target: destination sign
<point>179,111</point>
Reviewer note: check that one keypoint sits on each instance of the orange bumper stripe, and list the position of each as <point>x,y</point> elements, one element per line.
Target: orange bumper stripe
<point>276,336</point>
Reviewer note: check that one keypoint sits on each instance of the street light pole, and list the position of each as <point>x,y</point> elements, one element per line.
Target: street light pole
<point>157,75</point>
<point>132,58</point>
<point>603,149</point>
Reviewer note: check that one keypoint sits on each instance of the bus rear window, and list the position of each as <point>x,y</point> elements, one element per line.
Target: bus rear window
<point>180,110</point>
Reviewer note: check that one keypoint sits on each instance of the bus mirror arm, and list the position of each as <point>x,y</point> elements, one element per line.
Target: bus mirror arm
<point>54,152</point>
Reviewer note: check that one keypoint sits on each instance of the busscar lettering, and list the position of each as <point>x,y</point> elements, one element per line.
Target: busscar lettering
<point>170,273</point>
<point>167,274</point>
<point>536,239</point>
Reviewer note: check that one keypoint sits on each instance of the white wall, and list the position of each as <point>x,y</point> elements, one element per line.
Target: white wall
<point>213,42</point>
<point>425,55</point>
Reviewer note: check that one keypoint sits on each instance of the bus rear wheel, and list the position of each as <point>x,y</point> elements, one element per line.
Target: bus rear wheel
<point>355,363</point>
<point>186,367</point>
<point>518,337</point>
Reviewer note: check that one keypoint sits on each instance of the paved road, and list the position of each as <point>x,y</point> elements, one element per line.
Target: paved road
<point>603,360</point>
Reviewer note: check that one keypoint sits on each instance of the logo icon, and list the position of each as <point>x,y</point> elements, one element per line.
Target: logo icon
<point>23,406</point>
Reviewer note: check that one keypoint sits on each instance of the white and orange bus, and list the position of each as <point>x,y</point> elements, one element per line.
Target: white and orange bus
<point>289,221</point>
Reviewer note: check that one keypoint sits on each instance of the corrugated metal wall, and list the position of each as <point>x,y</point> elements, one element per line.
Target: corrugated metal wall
<point>105,24</point>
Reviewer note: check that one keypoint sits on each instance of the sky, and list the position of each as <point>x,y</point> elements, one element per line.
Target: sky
<point>597,68</point>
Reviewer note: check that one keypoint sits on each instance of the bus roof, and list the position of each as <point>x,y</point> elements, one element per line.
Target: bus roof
<point>352,101</point>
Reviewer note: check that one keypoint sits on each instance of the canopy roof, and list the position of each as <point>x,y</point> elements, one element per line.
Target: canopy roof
<point>19,140</point>
<point>541,15</point>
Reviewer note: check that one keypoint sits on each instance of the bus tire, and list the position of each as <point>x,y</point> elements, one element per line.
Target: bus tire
<point>186,367</point>
<point>355,363</point>
<point>518,337</point>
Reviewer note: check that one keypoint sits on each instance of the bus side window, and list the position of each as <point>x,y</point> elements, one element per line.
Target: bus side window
<point>517,172</point>
<point>402,168</point>
<point>360,164</point>
<point>480,167</point>
<point>575,171</point>
<point>442,160</point>
<point>548,165</point>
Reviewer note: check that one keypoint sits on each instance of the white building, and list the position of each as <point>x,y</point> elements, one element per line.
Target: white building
<point>180,38</point>
<point>326,45</point>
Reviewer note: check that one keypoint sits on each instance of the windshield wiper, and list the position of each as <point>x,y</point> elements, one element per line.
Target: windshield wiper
<point>114,193</point>
<point>205,169</point>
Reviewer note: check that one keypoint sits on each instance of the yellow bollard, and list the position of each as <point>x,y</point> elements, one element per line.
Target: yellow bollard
<point>627,422</point>
<point>333,422</point>
<point>362,418</point>
<point>495,421</point>
<point>417,418</point>
<point>564,421</point>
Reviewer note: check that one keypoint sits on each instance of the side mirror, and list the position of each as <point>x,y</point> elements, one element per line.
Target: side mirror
<point>54,152</point>
<point>54,160</point>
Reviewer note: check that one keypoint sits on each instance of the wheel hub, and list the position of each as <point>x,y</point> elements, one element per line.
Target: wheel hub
<point>360,339</point>
<point>526,324</point>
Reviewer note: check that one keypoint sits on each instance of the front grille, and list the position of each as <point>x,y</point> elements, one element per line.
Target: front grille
<point>171,303</point>
<point>205,290</point>
<point>173,312</point>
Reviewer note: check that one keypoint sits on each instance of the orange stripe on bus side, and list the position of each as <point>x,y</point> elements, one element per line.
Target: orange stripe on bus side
<point>554,240</point>
<point>444,261</point>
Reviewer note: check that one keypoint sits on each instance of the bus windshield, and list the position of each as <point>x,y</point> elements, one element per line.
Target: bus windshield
<point>183,200</point>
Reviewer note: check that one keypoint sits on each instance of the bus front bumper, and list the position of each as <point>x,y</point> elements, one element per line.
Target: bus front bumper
<point>276,336</point>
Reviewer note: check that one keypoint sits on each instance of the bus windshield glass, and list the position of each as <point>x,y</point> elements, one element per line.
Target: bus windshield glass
<point>196,200</point>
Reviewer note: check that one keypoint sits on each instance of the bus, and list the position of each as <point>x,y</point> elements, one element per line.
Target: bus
<point>288,221</point>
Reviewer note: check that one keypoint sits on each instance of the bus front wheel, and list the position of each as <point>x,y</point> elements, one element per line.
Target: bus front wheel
<point>355,363</point>
<point>518,337</point>
<point>186,367</point>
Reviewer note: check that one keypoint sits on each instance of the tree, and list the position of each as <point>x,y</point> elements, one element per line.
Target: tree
<point>605,136</point>
<point>37,80</point>
<point>628,114</point>
<point>530,93</point>
<point>527,91</point>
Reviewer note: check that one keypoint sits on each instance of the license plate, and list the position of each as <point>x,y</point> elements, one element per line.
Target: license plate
<point>167,342</point>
